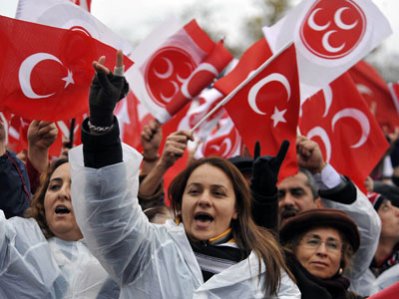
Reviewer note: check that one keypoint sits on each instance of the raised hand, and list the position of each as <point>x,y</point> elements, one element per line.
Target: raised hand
<point>106,90</point>
<point>265,170</point>
<point>309,155</point>
<point>151,137</point>
<point>41,135</point>
<point>175,146</point>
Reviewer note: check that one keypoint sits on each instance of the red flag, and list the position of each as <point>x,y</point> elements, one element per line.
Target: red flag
<point>266,108</point>
<point>252,58</point>
<point>45,71</point>
<point>329,36</point>
<point>173,65</point>
<point>223,141</point>
<point>350,138</point>
<point>66,15</point>
<point>129,120</point>
<point>199,108</point>
<point>375,91</point>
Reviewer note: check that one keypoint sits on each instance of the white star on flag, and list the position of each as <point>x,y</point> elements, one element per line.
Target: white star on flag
<point>68,79</point>
<point>278,116</point>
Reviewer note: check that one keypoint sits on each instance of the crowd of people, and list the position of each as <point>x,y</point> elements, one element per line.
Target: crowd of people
<point>96,224</point>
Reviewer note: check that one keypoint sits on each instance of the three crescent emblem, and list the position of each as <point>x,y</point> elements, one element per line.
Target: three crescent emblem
<point>253,92</point>
<point>332,29</point>
<point>326,37</point>
<point>25,72</point>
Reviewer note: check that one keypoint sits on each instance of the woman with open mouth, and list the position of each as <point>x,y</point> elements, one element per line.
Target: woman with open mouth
<point>213,249</point>
<point>45,252</point>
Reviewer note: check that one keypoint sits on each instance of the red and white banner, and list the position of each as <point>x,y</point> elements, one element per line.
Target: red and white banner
<point>199,107</point>
<point>224,141</point>
<point>339,120</point>
<point>257,54</point>
<point>46,71</point>
<point>375,91</point>
<point>266,108</point>
<point>65,14</point>
<point>173,65</point>
<point>329,36</point>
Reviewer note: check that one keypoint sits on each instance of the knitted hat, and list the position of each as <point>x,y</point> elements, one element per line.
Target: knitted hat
<point>244,164</point>
<point>376,199</point>
<point>316,218</point>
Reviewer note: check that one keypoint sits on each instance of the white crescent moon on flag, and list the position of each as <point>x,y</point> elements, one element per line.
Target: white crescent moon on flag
<point>168,72</point>
<point>340,23</point>
<point>25,71</point>
<point>328,99</point>
<point>167,99</point>
<point>312,23</point>
<point>226,142</point>
<point>255,89</point>
<point>320,132</point>
<point>360,117</point>
<point>327,45</point>
<point>363,89</point>
<point>202,67</point>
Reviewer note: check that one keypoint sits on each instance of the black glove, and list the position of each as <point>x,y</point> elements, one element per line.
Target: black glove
<point>105,91</point>
<point>265,170</point>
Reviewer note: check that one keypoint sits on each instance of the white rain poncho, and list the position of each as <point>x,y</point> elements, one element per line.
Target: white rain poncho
<point>33,267</point>
<point>148,260</point>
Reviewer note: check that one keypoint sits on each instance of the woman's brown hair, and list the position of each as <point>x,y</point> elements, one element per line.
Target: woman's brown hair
<point>247,234</point>
<point>36,209</point>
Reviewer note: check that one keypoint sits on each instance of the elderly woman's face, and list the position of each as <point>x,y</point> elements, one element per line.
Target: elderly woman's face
<point>208,204</point>
<point>58,206</point>
<point>320,252</point>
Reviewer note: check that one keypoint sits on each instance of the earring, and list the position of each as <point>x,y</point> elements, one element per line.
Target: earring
<point>340,271</point>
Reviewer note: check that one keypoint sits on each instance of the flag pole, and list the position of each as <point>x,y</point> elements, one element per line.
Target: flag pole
<point>226,99</point>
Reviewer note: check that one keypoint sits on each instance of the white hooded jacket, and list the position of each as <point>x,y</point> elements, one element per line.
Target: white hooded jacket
<point>148,260</point>
<point>33,267</point>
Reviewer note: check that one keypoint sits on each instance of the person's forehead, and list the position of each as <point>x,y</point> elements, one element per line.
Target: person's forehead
<point>324,233</point>
<point>62,171</point>
<point>296,181</point>
<point>209,174</point>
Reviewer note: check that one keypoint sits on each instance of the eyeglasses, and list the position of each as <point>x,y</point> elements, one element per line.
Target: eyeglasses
<point>314,243</point>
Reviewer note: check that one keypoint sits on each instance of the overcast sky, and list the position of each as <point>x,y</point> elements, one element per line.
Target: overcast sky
<point>135,19</point>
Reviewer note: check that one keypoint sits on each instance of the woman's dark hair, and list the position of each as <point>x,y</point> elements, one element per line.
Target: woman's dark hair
<point>36,209</point>
<point>247,234</point>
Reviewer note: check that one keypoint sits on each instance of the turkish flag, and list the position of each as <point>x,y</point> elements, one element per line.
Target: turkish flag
<point>130,125</point>
<point>17,131</point>
<point>66,15</point>
<point>224,141</point>
<point>266,108</point>
<point>375,91</point>
<point>349,136</point>
<point>172,65</point>
<point>250,60</point>
<point>45,71</point>
<point>329,36</point>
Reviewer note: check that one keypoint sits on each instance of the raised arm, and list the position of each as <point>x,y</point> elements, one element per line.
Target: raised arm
<point>105,185</point>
